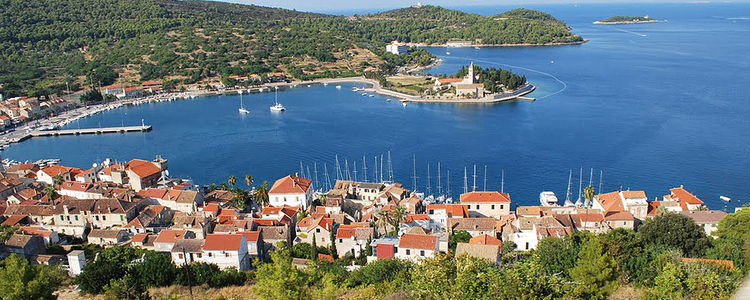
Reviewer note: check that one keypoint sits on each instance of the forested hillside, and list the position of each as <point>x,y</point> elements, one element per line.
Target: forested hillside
<point>45,44</point>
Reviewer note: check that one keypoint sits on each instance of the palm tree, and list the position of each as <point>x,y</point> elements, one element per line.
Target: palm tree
<point>249,181</point>
<point>588,193</point>
<point>58,179</point>
<point>261,194</point>
<point>398,215</point>
<point>50,192</point>
<point>384,218</point>
<point>232,180</point>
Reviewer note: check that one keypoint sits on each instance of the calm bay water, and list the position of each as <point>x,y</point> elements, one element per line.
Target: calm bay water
<point>652,105</point>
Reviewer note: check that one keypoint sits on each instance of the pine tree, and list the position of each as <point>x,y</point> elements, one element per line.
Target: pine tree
<point>595,272</point>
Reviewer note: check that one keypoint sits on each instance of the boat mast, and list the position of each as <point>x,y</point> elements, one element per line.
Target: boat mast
<point>466,181</point>
<point>474,184</point>
<point>375,170</point>
<point>439,186</point>
<point>390,168</point>
<point>315,168</point>
<point>429,188</point>
<point>307,171</point>
<point>328,178</point>
<point>414,173</point>
<point>355,169</point>
<point>364,168</point>
<point>448,178</point>
<point>346,168</point>
<point>502,182</point>
<point>580,187</point>
<point>485,178</point>
<point>601,175</point>
<point>567,194</point>
<point>591,177</point>
<point>301,169</point>
<point>338,169</point>
<point>381,167</point>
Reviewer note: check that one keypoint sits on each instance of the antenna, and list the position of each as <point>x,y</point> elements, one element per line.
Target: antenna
<point>364,169</point>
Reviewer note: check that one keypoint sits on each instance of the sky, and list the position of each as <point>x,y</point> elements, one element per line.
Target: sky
<point>361,5</point>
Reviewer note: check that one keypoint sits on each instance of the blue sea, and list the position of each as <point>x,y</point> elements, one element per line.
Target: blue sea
<point>652,106</point>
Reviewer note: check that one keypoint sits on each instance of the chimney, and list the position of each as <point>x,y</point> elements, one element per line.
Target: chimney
<point>66,209</point>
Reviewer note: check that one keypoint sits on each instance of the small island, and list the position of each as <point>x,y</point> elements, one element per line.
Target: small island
<point>626,20</point>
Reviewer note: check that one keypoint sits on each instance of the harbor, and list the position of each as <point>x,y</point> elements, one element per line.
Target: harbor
<point>121,129</point>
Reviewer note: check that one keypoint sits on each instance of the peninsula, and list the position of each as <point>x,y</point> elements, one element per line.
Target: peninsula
<point>187,44</point>
<point>626,20</point>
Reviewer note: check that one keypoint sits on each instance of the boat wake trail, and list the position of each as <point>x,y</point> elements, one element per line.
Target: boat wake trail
<point>564,85</point>
<point>628,31</point>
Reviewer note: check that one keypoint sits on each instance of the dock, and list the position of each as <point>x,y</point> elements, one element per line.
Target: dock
<point>102,130</point>
<point>526,98</point>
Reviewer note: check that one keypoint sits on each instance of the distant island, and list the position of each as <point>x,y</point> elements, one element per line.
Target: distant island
<point>51,50</point>
<point>626,20</point>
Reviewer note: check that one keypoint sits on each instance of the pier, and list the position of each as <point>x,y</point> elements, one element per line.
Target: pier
<point>102,130</point>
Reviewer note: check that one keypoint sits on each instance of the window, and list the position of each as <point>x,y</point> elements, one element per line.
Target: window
<point>75,217</point>
<point>421,252</point>
<point>180,255</point>
<point>96,218</point>
<point>62,218</point>
<point>104,218</point>
<point>501,206</point>
<point>200,255</point>
<point>210,254</point>
<point>317,230</point>
<point>527,245</point>
<point>408,252</point>
<point>226,254</point>
<point>493,206</point>
<point>341,240</point>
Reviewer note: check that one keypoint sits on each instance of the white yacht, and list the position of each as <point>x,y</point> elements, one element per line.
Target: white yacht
<point>338,87</point>
<point>277,107</point>
<point>548,199</point>
<point>242,108</point>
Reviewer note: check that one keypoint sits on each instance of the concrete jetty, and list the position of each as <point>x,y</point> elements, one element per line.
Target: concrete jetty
<point>102,130</point>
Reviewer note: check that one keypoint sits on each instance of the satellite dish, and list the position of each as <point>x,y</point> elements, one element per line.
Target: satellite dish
<point>94,165</point>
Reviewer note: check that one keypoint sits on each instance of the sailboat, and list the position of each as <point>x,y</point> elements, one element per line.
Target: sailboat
<point>242,108</point>
<point>568,202</point>
<point>277,107</point>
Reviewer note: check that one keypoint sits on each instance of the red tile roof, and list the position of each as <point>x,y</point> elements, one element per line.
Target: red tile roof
<point>491,197</point>
<point>169,236</point>
<point>417,217</point>
<point>619,216</point>
<point>55,170</point>
<point>686,196</point>
<point>453,210</point>
<point>610,201</point>
<point>252,236</point>
<point>325,257</point>
<point>76,186</point>
<point>140,238</point>
<point>152,193</point>
<point>634,194</point>
<point>143,168</point>
<point>485,240</point>
<point>418,241</point>
<point>289,185</point>
<point>231,242</point>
